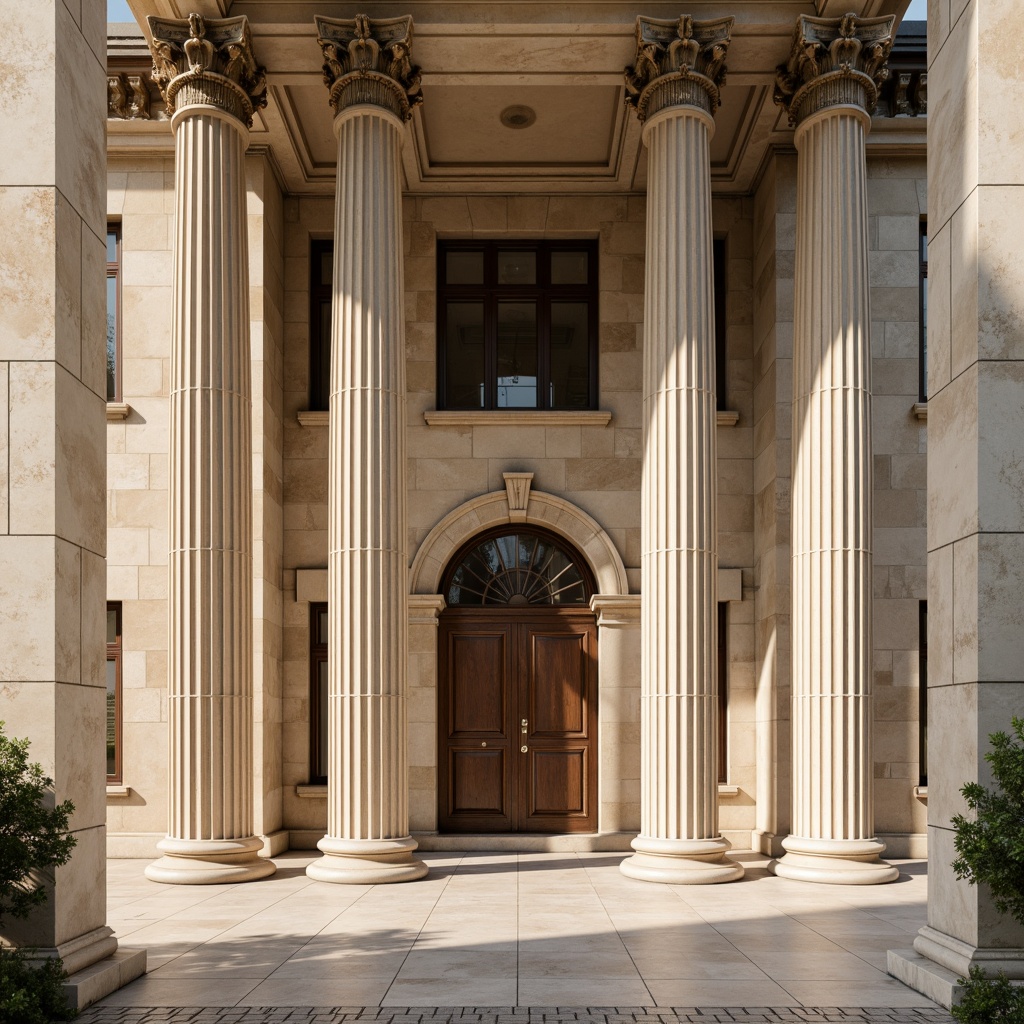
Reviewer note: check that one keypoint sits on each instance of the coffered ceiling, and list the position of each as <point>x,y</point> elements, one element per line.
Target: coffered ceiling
<point>562,60</point>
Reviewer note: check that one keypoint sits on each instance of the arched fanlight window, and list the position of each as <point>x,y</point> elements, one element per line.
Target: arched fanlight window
<point>517,568</point>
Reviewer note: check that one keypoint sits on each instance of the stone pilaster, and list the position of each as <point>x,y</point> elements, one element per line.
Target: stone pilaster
<point>53,534</point>
<point>674,85</point>
<point>372,86</point>
<point>975,480</point>
<point>211,84</point>
<point>829,85</point>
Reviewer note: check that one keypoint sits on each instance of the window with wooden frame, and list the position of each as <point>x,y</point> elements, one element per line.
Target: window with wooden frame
<point>723,691</point>
<point>113,312</point>
<point>114,650</point>
<point>321,278</point>
<point>318,694</point>
<point>721,325</point>
<point>923,314</point>
<point>922,683</point>
<point>517,324</point>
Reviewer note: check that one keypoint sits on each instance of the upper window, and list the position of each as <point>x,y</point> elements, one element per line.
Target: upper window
<point>517,325</point>
<point>113,312</point>
<point>321,276</point>
<point>113,691</point>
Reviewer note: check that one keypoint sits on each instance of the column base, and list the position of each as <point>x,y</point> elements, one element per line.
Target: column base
<point>209,862</point>
<point>681,861</point>
<point>366,861</point>
<point>834,861</point>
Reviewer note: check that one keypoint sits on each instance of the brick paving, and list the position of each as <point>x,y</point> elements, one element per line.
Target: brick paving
<point>509,1015</point>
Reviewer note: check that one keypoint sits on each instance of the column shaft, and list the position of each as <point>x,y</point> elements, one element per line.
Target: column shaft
<point>210,834</point>
<point>368,808</point>
<point>829,84</point>
<point>679,840</point>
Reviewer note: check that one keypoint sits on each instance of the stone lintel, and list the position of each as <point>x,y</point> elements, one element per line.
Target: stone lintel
<point>207,62</point>
<point>369,62</point>
<point>678,62</point>
<point>834,62</point>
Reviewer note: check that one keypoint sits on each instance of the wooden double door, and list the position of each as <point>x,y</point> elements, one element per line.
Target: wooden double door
<point>517,714</point>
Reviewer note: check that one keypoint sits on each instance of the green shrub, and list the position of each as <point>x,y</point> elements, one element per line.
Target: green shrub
<point>33,840</point>
<point>991,852</point>
<point>31,992</point>
<point>988,1000</point>
<point>991,847</point>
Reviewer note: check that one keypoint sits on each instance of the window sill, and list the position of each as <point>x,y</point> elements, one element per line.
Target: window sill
<point>517,418</point>
<point>314,417</point>
<point>921,792</point>
<point>728,417</point>
<point>117,411</point>
<point>311,792</point>
<point>117,792</point>
<point>726,790</point>
<point>920,410</point>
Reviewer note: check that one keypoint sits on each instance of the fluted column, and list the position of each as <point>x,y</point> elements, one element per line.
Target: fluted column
<point>210,81</point>
<point>674,86</point>
<point>829,86</point>
<point>372,85</point>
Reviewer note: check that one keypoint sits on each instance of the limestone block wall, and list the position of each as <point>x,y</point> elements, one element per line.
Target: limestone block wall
<point>595,467</point>
<point>897,200</point>
<point>140,196</point>
<point>266,306</point>
<point>732,220</point>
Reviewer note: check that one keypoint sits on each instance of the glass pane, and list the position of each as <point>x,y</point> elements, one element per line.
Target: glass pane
<point>321,627</point>
<point>327,267</point>
<point>517,267</point>
<point>111,626</point>
<point>464,356</point>
<point>323,357</point>
<point>111,246</point>
<point>464,267</point>
<point>111,717</point>
<point>517,355</point>
<point>569,267</point>
<point>111,338</point>
<point>570,355</point>
<point>517,569</point>
<point>321,696</point>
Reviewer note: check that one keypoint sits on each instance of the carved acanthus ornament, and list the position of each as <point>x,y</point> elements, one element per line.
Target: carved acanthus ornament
<point>678,62</point>
<point>128,97</point>
<point>834,62</point>
<point>369,62</point>
<point>207,61</point>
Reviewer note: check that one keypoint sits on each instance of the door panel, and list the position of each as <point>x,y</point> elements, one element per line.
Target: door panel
<point>557,683</point>
<point>497,668</point>
<point>479,681</point>
<point>475,701</point>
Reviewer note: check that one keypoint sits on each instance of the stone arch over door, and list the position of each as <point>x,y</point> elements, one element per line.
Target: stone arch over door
<point>513,506</point>
<point>618,619</point>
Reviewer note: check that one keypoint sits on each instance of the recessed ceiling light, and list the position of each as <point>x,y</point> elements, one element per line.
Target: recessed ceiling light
<point>518,117</point>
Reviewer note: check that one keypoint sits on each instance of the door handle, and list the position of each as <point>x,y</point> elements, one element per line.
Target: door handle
<point>522,750</point>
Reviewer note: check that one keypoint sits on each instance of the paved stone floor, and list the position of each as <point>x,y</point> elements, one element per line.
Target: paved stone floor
<point>514,939</point>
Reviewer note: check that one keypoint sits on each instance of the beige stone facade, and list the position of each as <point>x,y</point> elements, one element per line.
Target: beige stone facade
<point>708,505</point>
<point>592,460</point>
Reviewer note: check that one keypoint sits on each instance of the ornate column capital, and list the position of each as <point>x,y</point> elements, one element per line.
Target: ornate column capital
<point>369,62</point>
<point>834,62</point>
<point>677,62</point>
<point>208,62</point>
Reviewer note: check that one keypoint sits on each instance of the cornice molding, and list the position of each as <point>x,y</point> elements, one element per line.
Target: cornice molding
<point>680,62</point>
<point>369,62</point>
